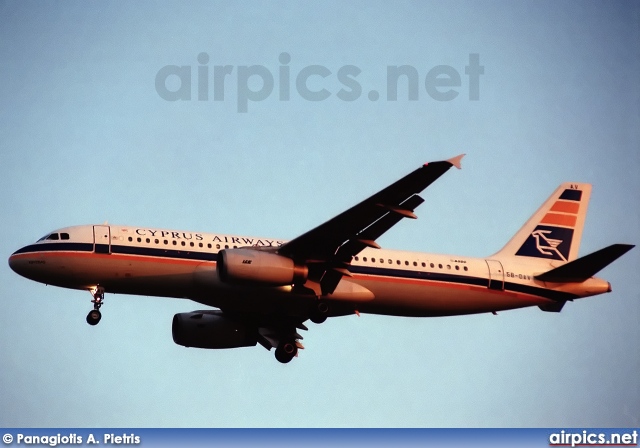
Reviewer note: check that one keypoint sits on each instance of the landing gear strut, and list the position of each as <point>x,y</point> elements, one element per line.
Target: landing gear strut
<point>94,315</point>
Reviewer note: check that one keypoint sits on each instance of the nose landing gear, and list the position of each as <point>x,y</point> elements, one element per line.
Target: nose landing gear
<point>94,315</point>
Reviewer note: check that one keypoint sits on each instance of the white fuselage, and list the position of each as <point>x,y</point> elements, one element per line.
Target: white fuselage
<point>156,262</point>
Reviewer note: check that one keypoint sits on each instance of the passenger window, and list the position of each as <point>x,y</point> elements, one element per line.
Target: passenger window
<point>390,262</point>
<point>175,243</point>
<point>440,266</point>
<point>130,238</point>
<point>148,240</point>
<point>166,242</point>
<point>191,244</point>
<point>398,261</point>
<point>457,268</point>
<point>406,263</point>
<point>415,263</point>
<point>208,245</point>
<point>183,243</point>
<point>139,240</point>
<point>448,266</point>
<point>465,268</point>
<point>356,258</point>
<point>364,258</point>
<point>432,265</point>
<point>157,241</point>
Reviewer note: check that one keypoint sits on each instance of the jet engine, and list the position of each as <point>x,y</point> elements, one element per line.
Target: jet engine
<point>212,329</point>
<point>259,268</point>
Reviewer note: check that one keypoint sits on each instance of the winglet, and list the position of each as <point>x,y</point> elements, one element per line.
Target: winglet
<point>455,161</point>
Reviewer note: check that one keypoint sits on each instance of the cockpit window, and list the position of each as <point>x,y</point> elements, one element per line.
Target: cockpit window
<point>54,237</point>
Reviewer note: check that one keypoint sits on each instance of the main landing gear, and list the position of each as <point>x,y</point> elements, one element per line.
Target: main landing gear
<point>284,338</point>
<point>286,351</point>
<point>94,315</point>
<point>319,312</point>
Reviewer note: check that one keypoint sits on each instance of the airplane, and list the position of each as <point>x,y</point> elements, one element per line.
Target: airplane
<point>264,290</point>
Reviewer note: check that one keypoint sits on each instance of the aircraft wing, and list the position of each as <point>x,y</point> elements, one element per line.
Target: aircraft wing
<point>329,248</point>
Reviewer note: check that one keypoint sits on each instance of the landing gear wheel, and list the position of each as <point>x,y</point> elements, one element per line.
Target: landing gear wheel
<point>286,351</point>
<point>317,319</point>
<point>319,312</point>
<point>94,317</point>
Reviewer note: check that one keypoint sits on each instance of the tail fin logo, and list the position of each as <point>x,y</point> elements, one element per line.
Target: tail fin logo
<point>546,245</point>
<point>552,236</point>
<point>553,232</point>
<point>549,242</point>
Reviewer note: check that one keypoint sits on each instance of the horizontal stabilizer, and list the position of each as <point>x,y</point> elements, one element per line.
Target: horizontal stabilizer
<point>579,270</point>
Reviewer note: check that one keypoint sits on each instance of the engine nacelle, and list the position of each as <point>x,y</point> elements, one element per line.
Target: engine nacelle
<point>212,329</point>
<point>243,266</point>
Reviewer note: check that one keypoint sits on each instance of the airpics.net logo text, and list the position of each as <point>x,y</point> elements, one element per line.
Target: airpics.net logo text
<point>257,82</point>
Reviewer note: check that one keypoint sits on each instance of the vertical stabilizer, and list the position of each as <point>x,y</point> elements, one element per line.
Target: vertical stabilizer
<point>555,230</point>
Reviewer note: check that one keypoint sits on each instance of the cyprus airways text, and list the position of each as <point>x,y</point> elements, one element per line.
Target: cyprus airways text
<point>211,238</point>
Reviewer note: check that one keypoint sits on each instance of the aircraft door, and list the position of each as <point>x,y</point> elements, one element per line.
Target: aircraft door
<point>496,275</point>
<point>102,239</point>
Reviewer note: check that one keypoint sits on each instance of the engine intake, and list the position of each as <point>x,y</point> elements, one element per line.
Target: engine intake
<point>212,329</point>
<point>258,267</point>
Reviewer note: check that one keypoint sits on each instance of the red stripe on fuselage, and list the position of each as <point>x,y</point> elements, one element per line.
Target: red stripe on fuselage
<point>362,277</point>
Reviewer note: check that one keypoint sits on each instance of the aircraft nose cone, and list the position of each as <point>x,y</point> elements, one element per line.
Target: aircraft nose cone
<point>18,264</point>
<point>29,265</point>
<point>12,263</point>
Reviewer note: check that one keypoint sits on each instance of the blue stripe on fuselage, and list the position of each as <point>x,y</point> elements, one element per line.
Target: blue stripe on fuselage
<point>420,275</point>
<point>169,253</point>
<point>55,247</point>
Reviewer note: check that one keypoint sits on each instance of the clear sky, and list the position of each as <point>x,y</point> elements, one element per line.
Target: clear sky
<point>86,137</point>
